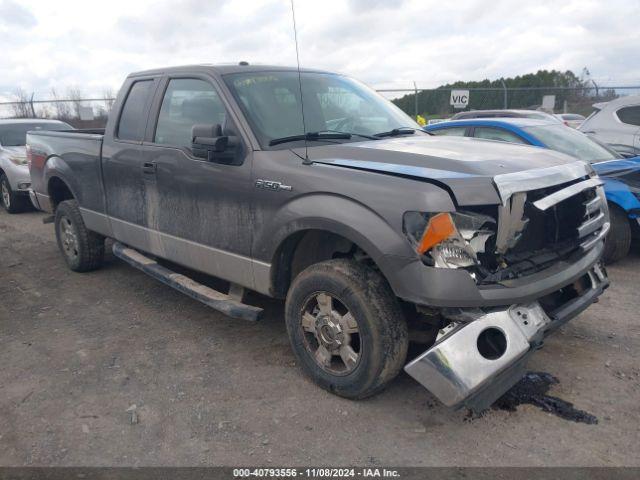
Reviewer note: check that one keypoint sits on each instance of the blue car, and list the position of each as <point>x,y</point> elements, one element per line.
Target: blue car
<point>621,175</point>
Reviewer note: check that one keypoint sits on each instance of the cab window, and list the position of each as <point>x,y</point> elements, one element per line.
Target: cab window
<point>497,134</point>
<point>133,118</point>
<point>187,102</point>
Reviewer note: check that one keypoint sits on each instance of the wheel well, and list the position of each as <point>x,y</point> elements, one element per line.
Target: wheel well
<point>58,192</point>
<point>305,248</point>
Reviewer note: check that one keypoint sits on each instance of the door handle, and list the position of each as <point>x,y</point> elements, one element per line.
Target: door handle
<point>149,167</point>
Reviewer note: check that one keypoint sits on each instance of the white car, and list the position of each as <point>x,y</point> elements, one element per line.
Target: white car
<point>617,123</point>
<point>572,120</point>
<point>14,171</point>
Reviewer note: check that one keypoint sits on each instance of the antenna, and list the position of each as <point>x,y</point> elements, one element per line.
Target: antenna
<point>304,127</point>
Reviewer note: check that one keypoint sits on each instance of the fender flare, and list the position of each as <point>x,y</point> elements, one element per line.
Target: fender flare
<point>56,167</point>
<point>341,216</point>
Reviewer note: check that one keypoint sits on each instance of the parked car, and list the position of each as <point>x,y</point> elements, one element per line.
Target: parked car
<point>621,177</point>
<point>537,114</point>
<point>572,120</point>
<point>616,123</point>
<point>369,227</point>
<point>14,172</point>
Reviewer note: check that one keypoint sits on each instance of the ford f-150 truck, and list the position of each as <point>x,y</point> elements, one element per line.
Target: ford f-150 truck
<point>310,187</point>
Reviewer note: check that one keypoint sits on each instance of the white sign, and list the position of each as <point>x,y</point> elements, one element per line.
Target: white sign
<point>86,113</point>
<point>548,103</point>
<point>459,98</point>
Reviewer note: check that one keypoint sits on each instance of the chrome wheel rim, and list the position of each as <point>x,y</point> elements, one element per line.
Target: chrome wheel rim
<point>68,238</point>
<point>6,197</point>
<point>331,334</point>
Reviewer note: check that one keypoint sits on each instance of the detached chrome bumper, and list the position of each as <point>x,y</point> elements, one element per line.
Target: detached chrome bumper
<point>475,362</point>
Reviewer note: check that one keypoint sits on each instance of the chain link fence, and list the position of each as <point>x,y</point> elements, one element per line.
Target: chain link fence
<point>77,112</point>
<point>431,104</point>
<point>436,103</point>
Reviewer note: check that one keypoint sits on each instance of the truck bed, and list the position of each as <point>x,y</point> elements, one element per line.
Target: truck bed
<point>73,156</point>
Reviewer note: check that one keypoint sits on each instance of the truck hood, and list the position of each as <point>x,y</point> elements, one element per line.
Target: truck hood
<point>470,169</point>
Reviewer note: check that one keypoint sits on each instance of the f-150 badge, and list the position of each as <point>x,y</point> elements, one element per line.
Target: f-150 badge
<point>271,185</point>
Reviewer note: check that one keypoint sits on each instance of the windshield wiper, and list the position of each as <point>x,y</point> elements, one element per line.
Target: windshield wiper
<point>361,135</point>
<point>311,136</point>
<point>398,131</point>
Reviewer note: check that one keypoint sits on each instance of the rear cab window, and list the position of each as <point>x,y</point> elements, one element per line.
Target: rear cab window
<point>133,118</point>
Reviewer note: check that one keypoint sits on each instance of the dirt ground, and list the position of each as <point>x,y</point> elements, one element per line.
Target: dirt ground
<point>77,351</point>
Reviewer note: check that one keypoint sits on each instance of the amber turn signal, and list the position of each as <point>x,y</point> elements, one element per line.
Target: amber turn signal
<point>440,228</point>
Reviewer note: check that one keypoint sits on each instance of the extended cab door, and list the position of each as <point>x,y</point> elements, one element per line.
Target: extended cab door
<point>122,167</point>
<point>199,210</point>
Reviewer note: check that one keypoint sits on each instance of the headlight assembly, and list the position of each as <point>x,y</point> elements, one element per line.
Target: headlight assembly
<point>449,240</point>
<point>18,160</point>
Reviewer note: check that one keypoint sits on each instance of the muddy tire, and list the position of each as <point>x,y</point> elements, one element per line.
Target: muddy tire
<point>11,201</point>
<point>618,241</point>
<point>346,327</point>
<point>82,249</point>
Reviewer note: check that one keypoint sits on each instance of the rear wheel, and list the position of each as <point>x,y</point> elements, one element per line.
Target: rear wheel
<point>82,249</point>
<point>346,327</point>
<point>11,201</point>
<point>618,241</point>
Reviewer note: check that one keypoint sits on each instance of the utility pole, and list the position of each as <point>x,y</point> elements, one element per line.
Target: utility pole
<point>504,87</point>
<point>415,100</point>
<point>33,110</point>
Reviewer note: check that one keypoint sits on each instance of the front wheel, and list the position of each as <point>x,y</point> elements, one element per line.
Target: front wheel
<point>82,249</point>
<point>11,201</point>
<point>346,327</point>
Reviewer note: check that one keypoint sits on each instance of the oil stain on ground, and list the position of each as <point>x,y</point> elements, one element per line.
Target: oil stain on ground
<point>532,389</point>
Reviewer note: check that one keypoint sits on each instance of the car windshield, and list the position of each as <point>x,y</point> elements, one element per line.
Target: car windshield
<point>332,103</point>
<point>15,134</point>
<point>567,140</point>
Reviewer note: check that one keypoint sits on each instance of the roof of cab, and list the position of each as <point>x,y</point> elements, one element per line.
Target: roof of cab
<point>222,69</point>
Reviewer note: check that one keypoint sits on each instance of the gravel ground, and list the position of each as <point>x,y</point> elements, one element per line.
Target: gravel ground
<point>82,355</point>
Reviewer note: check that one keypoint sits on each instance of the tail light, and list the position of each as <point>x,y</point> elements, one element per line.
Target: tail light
<point>29,156</point>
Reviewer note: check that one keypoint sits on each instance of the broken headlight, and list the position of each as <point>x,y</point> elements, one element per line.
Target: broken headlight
<point>449,240</point>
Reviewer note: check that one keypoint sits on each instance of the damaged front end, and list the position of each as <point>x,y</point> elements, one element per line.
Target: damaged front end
<point>546,217</point>
<point>482,353</point>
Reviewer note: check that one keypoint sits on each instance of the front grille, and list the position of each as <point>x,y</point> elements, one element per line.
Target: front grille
<point>552,225</point>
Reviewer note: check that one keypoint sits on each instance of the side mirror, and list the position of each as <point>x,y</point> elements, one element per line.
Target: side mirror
<point>208,142</point>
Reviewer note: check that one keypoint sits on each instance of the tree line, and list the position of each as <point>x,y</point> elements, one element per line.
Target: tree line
<point>523,91</point>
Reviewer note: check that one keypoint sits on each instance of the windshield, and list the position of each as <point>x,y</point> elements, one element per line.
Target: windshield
<point>572,142</point>
<point>332,103</point>
<point>15,134</point>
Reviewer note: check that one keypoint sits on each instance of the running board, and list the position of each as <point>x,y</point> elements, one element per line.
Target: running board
<point>210,297</point>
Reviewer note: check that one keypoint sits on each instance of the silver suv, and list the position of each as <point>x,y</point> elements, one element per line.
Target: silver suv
<point>14,172</point>
<point>617,123</point>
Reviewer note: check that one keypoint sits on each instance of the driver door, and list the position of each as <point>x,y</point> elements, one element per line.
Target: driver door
<point>199,210</point>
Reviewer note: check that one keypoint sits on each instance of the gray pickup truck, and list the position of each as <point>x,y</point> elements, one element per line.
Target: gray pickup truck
<point>375,232</point>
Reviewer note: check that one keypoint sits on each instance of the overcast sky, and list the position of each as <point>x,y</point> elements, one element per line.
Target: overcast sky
<point>386,43</point>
